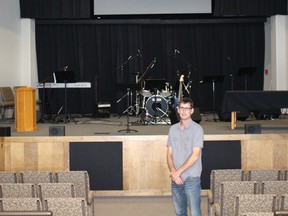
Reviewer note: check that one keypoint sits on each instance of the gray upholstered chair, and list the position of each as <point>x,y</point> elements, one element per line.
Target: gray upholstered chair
<point>55,190</point>
<point>264,175</point>
<point>20,204</point>
<point>6,100</point>
<point>8,177</point>
<point>36,177</point>
<point>80,179</point>
<point>17,190</point>
<point>259,214</point>
<point>218,176</point>
<point>284,203</point>
<point>66,206</point>
<point>275,187</point>
<point>228,191</point>
<point>81,182</point>
<point>245,203</point>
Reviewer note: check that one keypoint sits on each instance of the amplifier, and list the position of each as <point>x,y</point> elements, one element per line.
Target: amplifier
<point>102,110</point>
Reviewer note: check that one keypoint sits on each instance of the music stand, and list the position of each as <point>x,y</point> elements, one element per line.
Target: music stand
<point>65,77</point>
<point>247,71</point>
<point>213,79</point>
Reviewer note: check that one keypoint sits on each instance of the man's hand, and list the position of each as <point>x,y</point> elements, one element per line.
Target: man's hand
<point>175,176</point>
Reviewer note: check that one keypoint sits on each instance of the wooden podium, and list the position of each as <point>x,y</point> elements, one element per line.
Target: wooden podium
<point>25,109</point>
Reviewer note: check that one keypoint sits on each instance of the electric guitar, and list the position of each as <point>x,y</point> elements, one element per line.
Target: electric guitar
<point>180,92</point>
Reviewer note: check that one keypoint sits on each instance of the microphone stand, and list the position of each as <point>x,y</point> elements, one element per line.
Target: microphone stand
<point>121,67</point>
<point>189,73</point>
<point>128,105</point>
<point>43,103</point>
<point>150,66</point>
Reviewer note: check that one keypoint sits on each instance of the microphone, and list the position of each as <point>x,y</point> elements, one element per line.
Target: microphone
<point>139,53</point>
<point>154,61</point>
<point>176,52</point>
<point>65,68</point>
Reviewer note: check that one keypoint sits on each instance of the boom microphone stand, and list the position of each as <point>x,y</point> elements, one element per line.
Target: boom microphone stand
<point>128,105</point>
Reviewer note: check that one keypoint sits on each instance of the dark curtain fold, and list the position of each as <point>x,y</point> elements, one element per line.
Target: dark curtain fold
<point>249,8</point>
<point>55,9</point>
<point>95,52</point>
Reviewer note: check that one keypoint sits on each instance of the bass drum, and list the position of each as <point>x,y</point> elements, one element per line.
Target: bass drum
<point>156,106</point>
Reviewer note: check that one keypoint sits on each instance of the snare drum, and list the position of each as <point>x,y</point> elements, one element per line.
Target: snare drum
<point>156,106</point>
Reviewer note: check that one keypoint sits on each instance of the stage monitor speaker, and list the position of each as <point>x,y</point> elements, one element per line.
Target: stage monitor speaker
<point>102,110</point>
<point>252,129</point>
<point>174,118</point>
<point>5,131</point>
<point>56,130</point>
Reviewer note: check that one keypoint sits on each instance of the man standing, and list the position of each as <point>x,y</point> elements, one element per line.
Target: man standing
<point>185,143</point>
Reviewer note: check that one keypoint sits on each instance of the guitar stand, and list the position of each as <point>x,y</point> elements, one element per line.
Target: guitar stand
<point>128,130</point>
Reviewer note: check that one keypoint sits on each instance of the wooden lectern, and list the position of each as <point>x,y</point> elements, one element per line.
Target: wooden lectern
<point>25,109</point>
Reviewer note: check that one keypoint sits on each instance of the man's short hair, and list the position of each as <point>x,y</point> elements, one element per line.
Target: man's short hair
<point>186,100</point>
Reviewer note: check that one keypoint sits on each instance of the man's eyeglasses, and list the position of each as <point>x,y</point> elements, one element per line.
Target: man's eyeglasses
<point>184,108</point>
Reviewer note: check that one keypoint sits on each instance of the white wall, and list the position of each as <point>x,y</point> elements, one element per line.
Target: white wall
<point>17,47</point>
<point>10,43</point>
<point>276,56</point>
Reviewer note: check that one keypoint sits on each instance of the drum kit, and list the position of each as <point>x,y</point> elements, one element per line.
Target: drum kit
<point>156,98</point>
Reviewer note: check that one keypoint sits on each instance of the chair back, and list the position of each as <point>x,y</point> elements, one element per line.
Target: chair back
<point>8,177</point>
<point>7,94</point>
<point>228,193</point>
<point>218,176</point>
<point>275,187</point>
<point>254,203</point>
<point>80,179</point>
<point>20,204</point>
<point>66,206</point>
<point>17,190</point>
<point>55,190</point>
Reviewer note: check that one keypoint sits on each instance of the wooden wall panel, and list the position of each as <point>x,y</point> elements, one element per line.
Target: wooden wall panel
<point>264,154</point>
<point>144,157</point>
<point>147,165</point>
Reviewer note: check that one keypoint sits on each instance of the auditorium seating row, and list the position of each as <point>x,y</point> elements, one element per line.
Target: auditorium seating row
<point>45,184</point>
<point>234,193</point>
<point>58,206</point>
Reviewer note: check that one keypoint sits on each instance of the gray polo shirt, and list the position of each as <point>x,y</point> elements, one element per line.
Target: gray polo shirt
<point>182,143</point>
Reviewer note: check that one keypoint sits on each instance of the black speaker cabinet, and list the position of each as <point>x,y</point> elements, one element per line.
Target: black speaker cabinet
<point>56,130</point>
<point>102,110</point>
<point>5,131</point>
<point>252,129</point>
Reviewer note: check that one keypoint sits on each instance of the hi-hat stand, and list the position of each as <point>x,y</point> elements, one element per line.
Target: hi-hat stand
<point>128,130</point>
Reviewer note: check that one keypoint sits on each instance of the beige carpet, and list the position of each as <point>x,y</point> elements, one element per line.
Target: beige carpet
<point>139,206</point>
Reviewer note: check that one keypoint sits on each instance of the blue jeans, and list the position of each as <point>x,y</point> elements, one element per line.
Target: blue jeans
<point>187,195</point>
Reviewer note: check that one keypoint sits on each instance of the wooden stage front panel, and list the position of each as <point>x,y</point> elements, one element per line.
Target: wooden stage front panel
<point>144,157</point>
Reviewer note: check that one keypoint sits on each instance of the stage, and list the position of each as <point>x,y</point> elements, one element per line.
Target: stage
<point>91,126</point>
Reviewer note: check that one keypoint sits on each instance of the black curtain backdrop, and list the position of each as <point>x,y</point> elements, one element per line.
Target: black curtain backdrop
<point>96,50</point>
